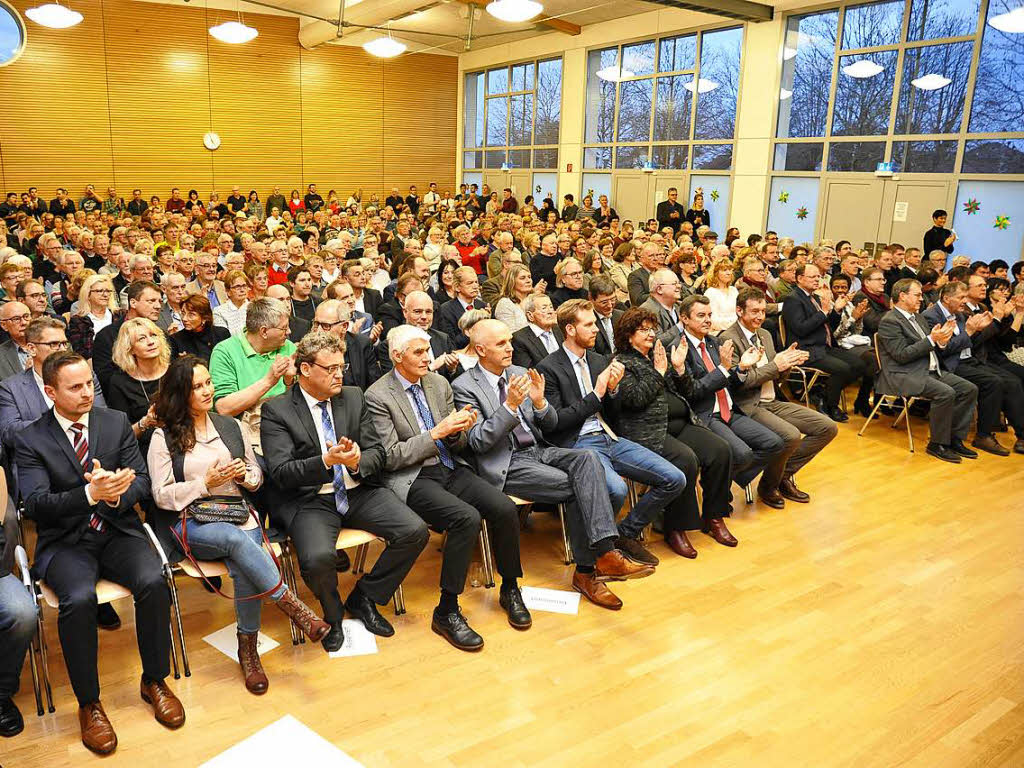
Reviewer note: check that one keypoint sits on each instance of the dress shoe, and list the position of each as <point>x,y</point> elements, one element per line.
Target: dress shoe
<point>166,707</point>
<point>454,628</point>
<point>334,639</point>
<point>772,498</point>
<point>679,543</point>
<point>715,528</point>
<point>595,591</point>
<point>342,563</point>
<point>634,550</point>
<point>97,732</point>
<point>311,625</point>
<point>364,609</point>
<point>942,452</point>
<point>863,409</point>
<point>511,600</point>
<point>11,722</point>
<point>107,618</point>
<point>615,566</point>
<point>960,449</point>
<point>249,660</point>
<point>837,415</point>
<point>1018,447</point>
<point>789,490</point>
<point>989,444</point>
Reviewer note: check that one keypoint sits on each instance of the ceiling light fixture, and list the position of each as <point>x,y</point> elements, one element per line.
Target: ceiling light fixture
<point>784,94</point>
<point>788,53</point>
<point>514,11</point>
<point>234,32</point>
<point>1012,22</point>
<point>54,16</point>
<point>703,86</point>
<point>384,47</point>
<point>613,74</point>
<point>862,69</point>
<point>931,82</point>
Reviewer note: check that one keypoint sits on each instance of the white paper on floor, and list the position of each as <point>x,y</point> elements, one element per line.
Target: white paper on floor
<point>281,743</point>
<point>359,641</point>
<point>226,641</point>
<point>551,600</point>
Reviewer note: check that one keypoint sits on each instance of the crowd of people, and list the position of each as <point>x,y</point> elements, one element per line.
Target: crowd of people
<point>411,364</point>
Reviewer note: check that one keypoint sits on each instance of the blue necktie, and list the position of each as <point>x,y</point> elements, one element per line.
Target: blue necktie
<point>340,494</point>
<point>428,421</point>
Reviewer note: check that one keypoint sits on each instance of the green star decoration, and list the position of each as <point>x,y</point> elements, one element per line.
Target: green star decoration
<point>714,195</point>
<point>784,197</point>
<point>971,207</point>
<point>1002,222</point>
<point>801,213</point>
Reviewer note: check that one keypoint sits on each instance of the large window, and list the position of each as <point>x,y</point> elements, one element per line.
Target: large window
<point>668,103</point>
<point>512,116</point>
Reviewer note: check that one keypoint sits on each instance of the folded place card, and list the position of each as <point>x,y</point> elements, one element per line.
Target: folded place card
<point>551,600</point>
<point>358,640</point>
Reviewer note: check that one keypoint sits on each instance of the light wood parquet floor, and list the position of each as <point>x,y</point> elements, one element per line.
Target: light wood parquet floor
<point>879,626</point>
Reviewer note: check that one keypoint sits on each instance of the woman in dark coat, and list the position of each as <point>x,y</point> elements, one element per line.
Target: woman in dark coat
<point>199,335</point>
<point>655,414</point>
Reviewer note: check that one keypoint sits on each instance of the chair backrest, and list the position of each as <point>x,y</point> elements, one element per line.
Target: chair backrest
<point>782,331</point>
<point>883,361</point>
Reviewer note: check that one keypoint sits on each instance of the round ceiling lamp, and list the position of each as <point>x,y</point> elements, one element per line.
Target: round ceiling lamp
<point>931,82</point>
<point>862,69</point>
<point>1012,22</point>
<point>384,47</point>
<point>613,74</point>
<point>234,32</point>
<point>703,86</point>
<point>54,16</point>
<point>514,11</point>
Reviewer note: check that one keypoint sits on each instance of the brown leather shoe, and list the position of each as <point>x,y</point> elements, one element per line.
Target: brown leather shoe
<point>311,625</point>
<point>249,660</point>
<point>595,591</point>
<point>97,732</point>
<point>166,707</point>
<point>788,489</point>
<point>680,544</point>
<point>614,566</point>
<point>989,444</point>
<point>715,528</point>
<point>772,498</point>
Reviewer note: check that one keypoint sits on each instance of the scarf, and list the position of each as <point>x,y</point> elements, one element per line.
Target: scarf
<point>878,298</point>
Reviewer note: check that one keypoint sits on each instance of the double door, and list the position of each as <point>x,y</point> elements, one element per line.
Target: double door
<point>635,195</point>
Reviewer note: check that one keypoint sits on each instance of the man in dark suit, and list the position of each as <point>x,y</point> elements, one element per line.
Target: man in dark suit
<point>391,314</point>
<point>144,300</point>
<point>366,299</point>
<point>663,303</point>
<point>540,337</point>
<point>811,321</point>
<point>467,290</point>
<point>651,258</point>
<point>418,310</point>
<point>361,367</point>
<point>415,424</point>
<point>710,365</point>
<point>670,213</point>
<point>312,437</point>
<point>81,474</point>
<point>909,349</point>
<point>581,386</point>
<point>14,354</point>
<point>297,326</point>
<point>602,295</point>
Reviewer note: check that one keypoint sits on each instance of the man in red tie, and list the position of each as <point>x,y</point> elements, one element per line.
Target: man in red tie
<point>713,371</point>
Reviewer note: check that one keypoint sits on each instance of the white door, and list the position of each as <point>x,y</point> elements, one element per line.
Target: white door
<point>852,209</point>
<point>631,196</point>
<point>907,208</point>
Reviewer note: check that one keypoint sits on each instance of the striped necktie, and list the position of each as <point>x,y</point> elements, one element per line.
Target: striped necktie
<point>340,493</point>
<point>81,446</point>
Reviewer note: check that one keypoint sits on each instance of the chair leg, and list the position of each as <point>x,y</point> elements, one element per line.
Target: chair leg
<point>36,685</point>
<point>399,601</point>
<point>748,492</point>
<point>360,559</point>
<point>288,574</point>
<point>485,549</point>
<point>910,434</point>
<point>44,663</point>
<point>903,414</point>
<point>176,607</point>
<point>565,535</point>
<point>878,404</point>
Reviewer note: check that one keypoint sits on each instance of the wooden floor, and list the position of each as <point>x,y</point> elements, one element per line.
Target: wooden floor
<point>881,625</point>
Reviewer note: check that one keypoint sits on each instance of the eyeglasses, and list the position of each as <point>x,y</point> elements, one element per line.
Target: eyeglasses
<point>333,370</point>
<point>106,291</point>
<point>328,326</point>
<point>20,318</point>
<point>62,344</point>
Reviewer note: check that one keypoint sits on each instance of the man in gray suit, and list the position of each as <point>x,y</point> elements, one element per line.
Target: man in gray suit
<point>651,258</point>
<point>911,367</point>
<point>511,454</point>
<point>413,419</point>
<point>14,355</point>
<point>663,301</point>
<point>805,431</point>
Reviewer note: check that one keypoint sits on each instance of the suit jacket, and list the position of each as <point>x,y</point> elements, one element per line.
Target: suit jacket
<point>395,431</point>
<point>668,331</point>
<point>440,344</point>
<point>562,389</point>
<point>490,439</point>
<point>291,448</point>
<point>361,357</point>
<point>663,211</point>
<point>297,328</point>
<point>950,356</point>
<point>52,481</point>
<point>748,394</point>
<point>903,354</point>
<point>604,345</point>
<point>805,324</point>
<point>21,403</point>
<point>390,315</point>
<point>193,288</point>
<point>371,302</point>
<point>10,363</point>
<point>637,285</point>
<point>448,320</point>
<point>528,350</point>
<point>705,384</point>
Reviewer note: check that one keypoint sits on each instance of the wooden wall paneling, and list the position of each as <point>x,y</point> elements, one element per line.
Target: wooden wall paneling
<point>420,131</point>
<point>256,107</point>
<point>55,129</point>
<point>159,96</point>
<point>342,125</point>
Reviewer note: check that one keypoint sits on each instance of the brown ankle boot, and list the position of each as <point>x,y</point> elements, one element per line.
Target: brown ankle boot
<point>249,660</point>
<point>311,625</point>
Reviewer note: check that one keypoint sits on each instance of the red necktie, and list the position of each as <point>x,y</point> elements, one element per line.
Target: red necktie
<point>723,399</point>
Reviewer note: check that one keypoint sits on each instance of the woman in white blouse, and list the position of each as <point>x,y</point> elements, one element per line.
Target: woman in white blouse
<point>722,295</point>
<point>515,286</point>
<point>210,467</point>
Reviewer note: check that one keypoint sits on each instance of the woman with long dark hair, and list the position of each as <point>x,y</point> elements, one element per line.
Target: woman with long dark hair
<point>216,457</point>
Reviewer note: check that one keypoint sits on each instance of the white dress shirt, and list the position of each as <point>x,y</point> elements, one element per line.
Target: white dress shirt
<point>933,359</point>
<point>547,338</point>
<point>695,345</point>
<point>314,410</point>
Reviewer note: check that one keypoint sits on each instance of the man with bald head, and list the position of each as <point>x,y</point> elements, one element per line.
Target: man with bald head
<point>361,367</point>
<point>418,311</point>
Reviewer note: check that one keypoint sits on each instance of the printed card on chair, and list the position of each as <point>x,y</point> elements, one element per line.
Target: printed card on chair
<point>278,744</point>
<point>551,600</point>
<point>359,641</point>
<point>226,641</point>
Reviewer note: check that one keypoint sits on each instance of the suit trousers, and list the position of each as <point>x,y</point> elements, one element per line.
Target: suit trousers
<point>804,431</point>
<point>553,475</point>
<point>753,446</point>
<point>375,510</point>
<point>844,367</point>
<point>17,626</point>
<point>455,501</point>
<point>953,400</point>
<point>999,391</point>
<point>715,460</point>
<point>126,560</point>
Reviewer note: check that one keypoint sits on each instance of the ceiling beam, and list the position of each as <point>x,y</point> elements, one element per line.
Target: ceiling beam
<point>559,25</point>
<point>742,10</point>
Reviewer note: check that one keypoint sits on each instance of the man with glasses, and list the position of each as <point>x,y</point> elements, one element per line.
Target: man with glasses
<point>277,272</point>
<point>418,311</point>
<point>14,354</point>
<point>206,282</point>
<point>361,365</point>
<point>175,292</point>
<point>32,294</point>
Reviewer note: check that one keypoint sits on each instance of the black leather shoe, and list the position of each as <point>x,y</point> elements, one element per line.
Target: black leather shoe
<point>942,452</point>
<point>959,448</point>
<point>364,609</point>
<point>11,722</point>
<point>635,551</point>
<point>511,600</point>
<point>837,415</point>
<point>454,628</point>
<point>107,618</point>
<point>342,563</point>
<point>334,639</point>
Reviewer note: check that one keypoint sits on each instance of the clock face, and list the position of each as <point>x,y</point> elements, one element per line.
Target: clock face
<point>211,141</point>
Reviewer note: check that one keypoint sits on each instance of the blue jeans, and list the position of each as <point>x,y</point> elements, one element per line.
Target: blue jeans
<point>17,625</point>
<point>624,457</point>
<point>251,568</point>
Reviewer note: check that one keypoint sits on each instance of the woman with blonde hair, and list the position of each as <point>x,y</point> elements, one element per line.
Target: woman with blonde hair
<point>515,286</point>
<point>141,355</point>
<point>96,308</point>
<point>722,294</point>
<point>258,279</point>
<point>433,251</point>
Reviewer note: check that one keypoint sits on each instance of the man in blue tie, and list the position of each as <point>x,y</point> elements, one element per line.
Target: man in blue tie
<point>415,423</point>
<point>312,443</point>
